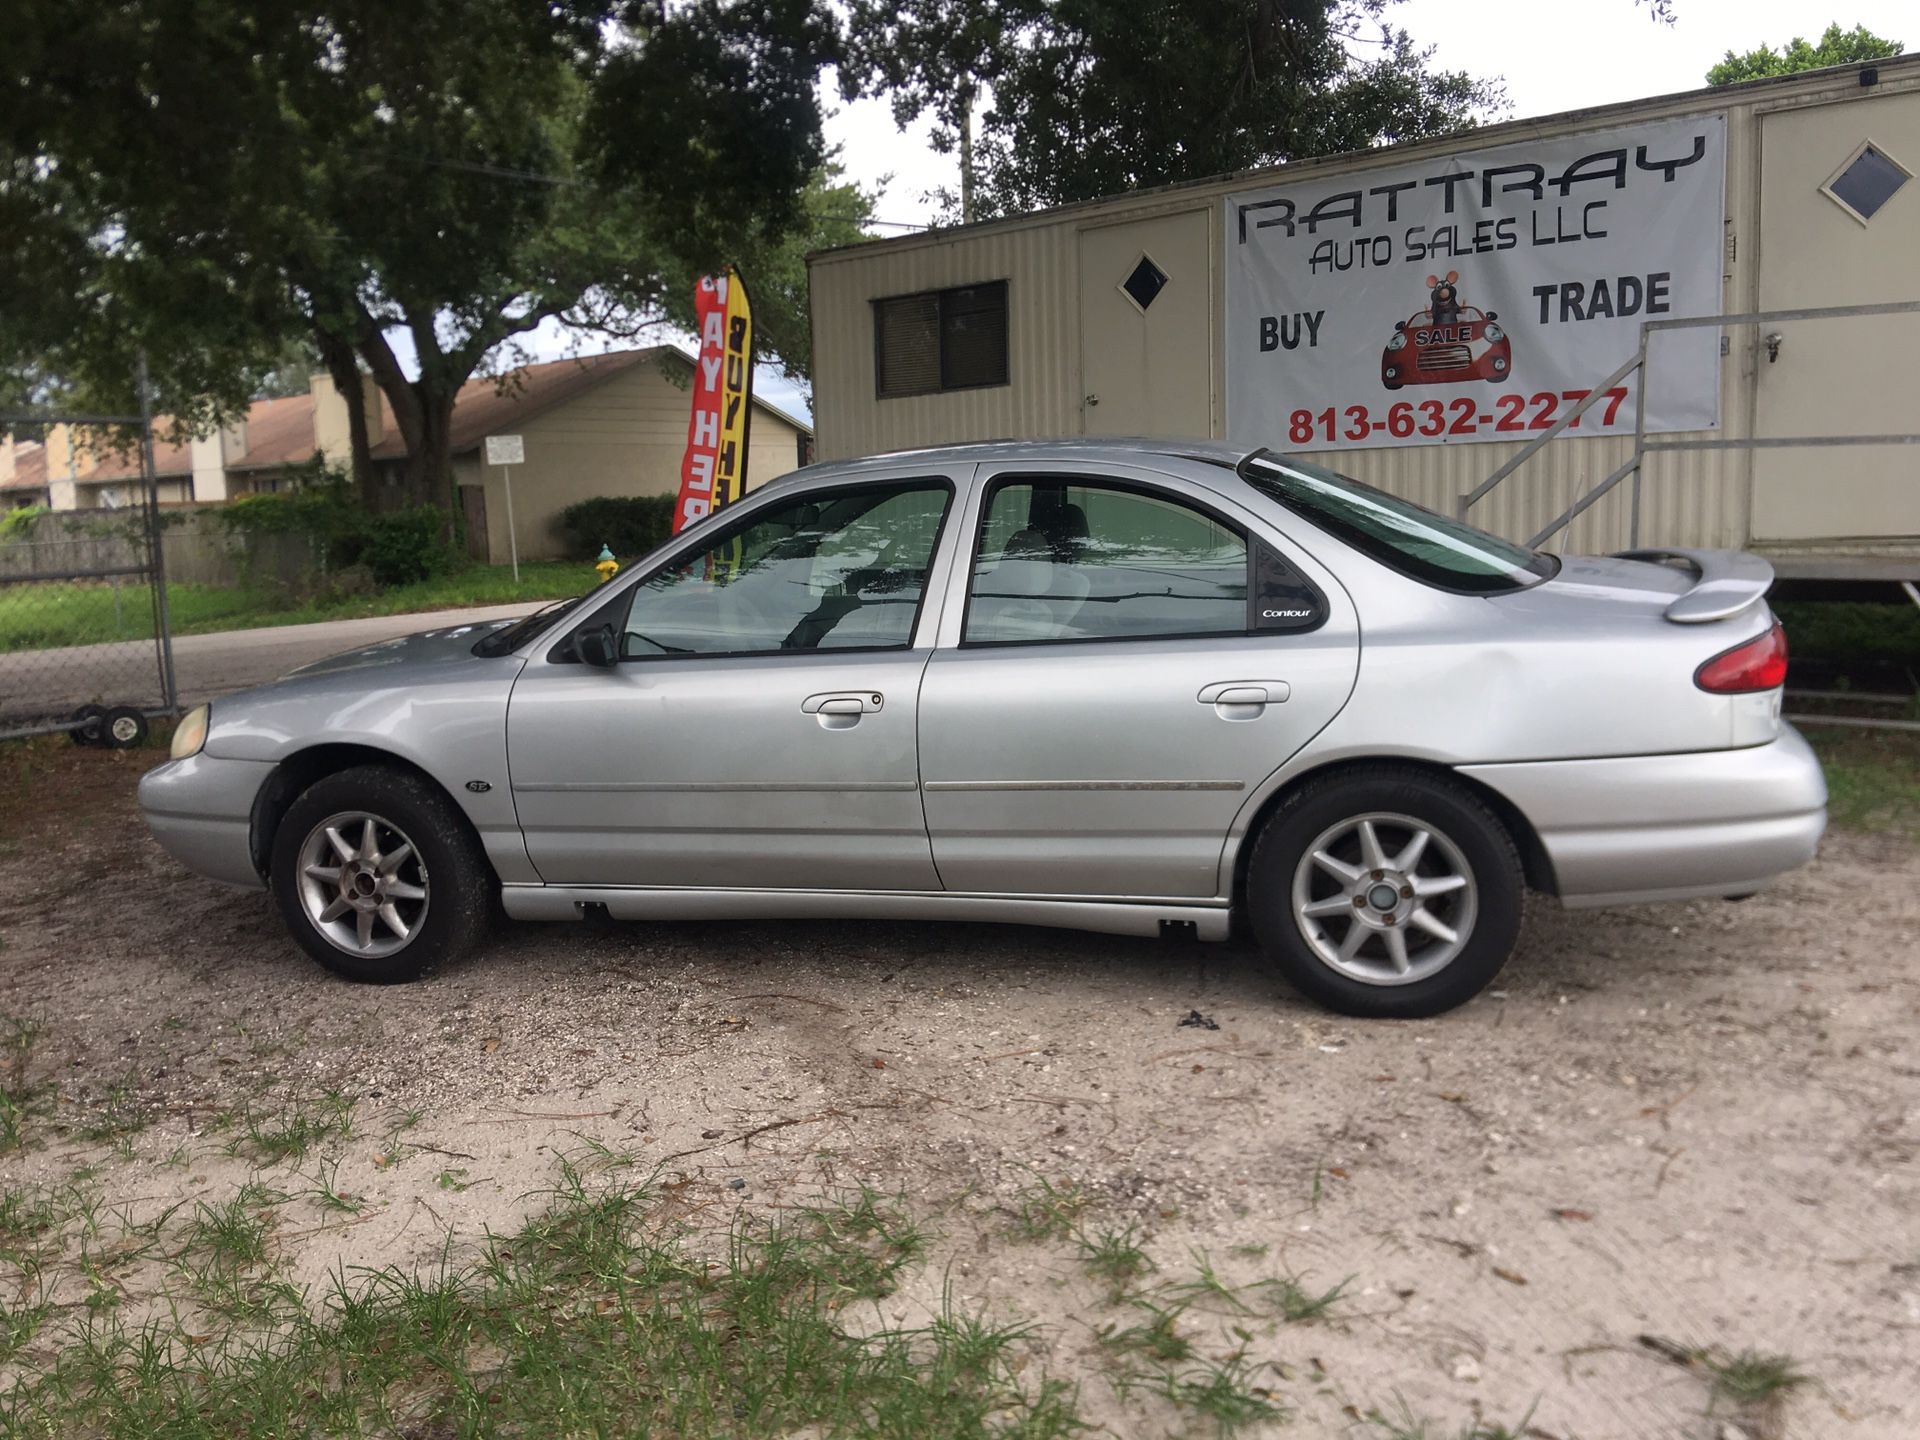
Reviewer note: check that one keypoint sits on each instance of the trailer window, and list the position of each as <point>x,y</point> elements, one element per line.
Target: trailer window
<point>941,340</point>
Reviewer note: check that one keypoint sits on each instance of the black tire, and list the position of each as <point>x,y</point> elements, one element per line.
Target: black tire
<point>1465,827</point>
<point>87,725</point>
<point>124,728</point>
<point>447,864</point>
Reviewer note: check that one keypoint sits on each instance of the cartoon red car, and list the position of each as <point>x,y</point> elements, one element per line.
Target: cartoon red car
<point>1447,341</point>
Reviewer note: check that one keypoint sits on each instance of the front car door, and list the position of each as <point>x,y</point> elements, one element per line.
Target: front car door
<point>758,730</point>
<point>1135,654</point>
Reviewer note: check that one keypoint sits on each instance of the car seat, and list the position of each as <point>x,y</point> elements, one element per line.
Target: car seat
<point>1027,593</point>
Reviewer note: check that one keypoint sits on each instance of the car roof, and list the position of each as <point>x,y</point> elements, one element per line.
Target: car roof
<point>1118,449</point>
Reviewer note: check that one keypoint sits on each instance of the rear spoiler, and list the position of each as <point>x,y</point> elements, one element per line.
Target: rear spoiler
<point>1725,582</point>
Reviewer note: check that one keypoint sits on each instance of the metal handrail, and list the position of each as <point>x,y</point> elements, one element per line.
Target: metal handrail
<point>1642,447</point>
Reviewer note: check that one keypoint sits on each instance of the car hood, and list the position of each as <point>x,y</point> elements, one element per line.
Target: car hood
<point>428,647</point>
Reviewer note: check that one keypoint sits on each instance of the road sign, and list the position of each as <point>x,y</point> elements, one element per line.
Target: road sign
<point>506,450</point>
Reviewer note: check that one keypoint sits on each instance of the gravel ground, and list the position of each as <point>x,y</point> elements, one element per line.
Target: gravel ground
<point>1695,1122</point>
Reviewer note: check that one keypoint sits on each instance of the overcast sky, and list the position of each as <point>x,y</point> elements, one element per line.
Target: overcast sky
<point>1552,57</point>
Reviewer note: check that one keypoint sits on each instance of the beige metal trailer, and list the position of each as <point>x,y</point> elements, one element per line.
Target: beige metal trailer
<point>1818,209</point>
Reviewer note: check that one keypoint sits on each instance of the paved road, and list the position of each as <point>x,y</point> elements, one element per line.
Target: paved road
<point>55,682</point>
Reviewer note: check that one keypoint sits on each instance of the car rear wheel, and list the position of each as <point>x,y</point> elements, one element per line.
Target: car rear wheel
<point>1386,892</point>
<point>378,876</point>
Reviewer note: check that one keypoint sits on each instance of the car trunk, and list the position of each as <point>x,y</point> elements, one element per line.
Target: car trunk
<point>1646,627</point>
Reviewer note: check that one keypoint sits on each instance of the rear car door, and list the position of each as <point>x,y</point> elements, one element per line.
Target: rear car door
<point>758,730</point>
<point>1135,654</point>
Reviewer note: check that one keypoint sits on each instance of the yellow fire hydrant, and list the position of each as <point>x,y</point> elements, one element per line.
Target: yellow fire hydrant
<point>606,564</point>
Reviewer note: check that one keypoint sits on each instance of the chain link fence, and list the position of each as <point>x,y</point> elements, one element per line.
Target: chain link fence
<point>84,639</point>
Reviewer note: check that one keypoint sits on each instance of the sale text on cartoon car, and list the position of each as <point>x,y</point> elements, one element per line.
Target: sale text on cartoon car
<point>1445,342</point>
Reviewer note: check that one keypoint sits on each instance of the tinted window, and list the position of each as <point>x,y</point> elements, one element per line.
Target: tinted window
<point>1068,561</point>
<point>941,340</point>
<point>1410,538</point>
<point>819,572</point>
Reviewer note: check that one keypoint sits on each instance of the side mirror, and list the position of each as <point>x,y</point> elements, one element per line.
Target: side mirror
<point>597,647</point>
<point>1400,325</point>
<point>1493,314</point>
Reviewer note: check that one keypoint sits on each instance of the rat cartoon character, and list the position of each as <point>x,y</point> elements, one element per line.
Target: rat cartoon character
<point>1444,302</point>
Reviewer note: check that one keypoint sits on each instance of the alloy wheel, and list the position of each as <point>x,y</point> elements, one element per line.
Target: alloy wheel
<point>362,884</point>
<point>1385,899</point>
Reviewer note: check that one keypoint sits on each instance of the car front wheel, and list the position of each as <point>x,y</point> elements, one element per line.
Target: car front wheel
<point>378,876</point>
<point>1386,892</point>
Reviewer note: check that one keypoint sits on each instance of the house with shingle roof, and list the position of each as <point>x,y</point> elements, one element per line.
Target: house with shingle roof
<point>613,424</point>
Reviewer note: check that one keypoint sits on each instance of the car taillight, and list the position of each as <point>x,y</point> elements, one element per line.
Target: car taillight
<point>1756,664</point>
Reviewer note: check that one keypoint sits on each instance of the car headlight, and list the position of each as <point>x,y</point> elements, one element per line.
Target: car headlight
<point>191,733</point>
<point>1398,342</point>
<point>1493,333</point>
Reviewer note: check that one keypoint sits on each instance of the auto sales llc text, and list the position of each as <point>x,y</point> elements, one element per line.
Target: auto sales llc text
<point>1563,210</point>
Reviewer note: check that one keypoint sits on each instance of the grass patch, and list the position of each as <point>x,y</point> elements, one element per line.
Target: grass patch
<point>1222,1393</point>
<point>1405,1425</point>
<point>597,1317</point>
<point>290,1131</point>
<point>38,617</point>
<point>1048,1210</point>
<point>1114,1256</point>
<point>1751,1378</point>
<point>20,1099</point>
<point>1873,778</point>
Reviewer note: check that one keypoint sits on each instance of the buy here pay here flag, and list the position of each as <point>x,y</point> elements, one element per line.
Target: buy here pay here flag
<point>713,472</point>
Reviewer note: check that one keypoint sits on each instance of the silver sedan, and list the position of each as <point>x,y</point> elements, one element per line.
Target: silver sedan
<point>1140,687</point>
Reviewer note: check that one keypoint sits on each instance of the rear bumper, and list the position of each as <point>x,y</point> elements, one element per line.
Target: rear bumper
<point>201,811</point>
<point>1670,827</point>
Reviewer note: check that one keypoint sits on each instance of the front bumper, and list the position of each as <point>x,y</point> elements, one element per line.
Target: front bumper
<point>200,809</point>
<point>1670,827</point>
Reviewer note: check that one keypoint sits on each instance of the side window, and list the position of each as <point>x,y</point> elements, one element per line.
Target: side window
<point>1062,560</point>
<point>836,570</point>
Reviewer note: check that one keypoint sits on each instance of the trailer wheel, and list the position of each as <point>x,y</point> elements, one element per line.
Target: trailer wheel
<point>124,728</point>
<point>88,725</point>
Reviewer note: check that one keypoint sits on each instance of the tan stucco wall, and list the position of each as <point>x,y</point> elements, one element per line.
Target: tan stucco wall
<point>625,437</point>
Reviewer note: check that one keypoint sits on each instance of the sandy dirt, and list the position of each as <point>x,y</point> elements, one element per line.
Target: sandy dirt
<point>1697,1122</point>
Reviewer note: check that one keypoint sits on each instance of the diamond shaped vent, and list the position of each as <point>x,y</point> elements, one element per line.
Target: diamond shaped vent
<point>1146,282</point>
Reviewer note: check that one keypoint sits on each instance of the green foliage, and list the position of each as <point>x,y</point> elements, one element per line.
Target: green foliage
<point>600,1317</point>
<point>44,616</point>
<point>407,546</point>
<point>17,524</point>
<point>329,170</point>
<point>1095,97</point>
<point>629,525</point>
<point>319,508</point>
<point>1852,631</point>
<point>400,548</point>
<point>1835,47</point>
<point>1873,778</point>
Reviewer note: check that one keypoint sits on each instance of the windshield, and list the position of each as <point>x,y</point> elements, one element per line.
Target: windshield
<point>1416,541</point>
<point>510,637</point>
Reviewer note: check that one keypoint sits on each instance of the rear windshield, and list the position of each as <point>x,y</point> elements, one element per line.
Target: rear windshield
<point>1412,539</point>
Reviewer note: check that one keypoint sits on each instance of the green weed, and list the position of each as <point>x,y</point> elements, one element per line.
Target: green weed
<point>1046,1210</point>
<point>1114,1256</point>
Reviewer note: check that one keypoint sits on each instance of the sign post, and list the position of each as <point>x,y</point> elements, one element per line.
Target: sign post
<point>506,451</point>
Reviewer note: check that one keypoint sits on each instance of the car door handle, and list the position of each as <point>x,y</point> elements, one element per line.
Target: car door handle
<point>1245,692</point>
<point>1243,699</point>
<point>841,709</point>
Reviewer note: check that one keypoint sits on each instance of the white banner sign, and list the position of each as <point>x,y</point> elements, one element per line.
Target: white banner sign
<point>1478,296</point>
<point>506,450</point>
